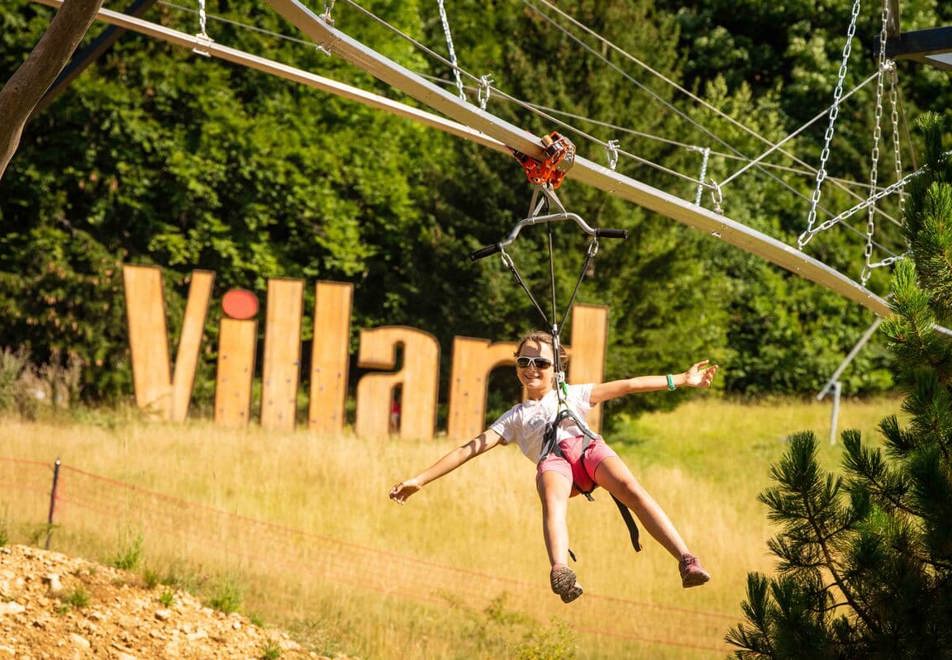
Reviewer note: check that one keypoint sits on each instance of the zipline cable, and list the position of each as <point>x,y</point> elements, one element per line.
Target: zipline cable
<point>657,138</point>
<point>512,99</point>
<point>524,104</point>
<point>624,53</point>
<point>508,97</point>
<point>547,109</point>
<point>816,118</point>
<point>483,83</point>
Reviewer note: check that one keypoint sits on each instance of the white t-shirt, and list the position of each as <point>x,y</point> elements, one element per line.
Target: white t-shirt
<point>525,422</point>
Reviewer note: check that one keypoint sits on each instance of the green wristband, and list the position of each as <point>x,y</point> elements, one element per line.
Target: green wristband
<point>671,386</point>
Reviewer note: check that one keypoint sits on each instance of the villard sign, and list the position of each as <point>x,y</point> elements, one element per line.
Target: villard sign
<point>165,391</point>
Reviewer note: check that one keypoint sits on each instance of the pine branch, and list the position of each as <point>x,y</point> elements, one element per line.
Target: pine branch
<point>833,566</point>
<point>871,472</point>
<point>754,642</point>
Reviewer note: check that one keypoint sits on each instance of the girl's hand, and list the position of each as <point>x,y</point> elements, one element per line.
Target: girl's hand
<point>403,490</point>
<point>700,374</point>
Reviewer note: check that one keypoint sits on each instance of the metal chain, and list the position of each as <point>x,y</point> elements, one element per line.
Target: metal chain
<point>805,237</point>
<point>485,90</point>
<point>611,150</point>
<point>897,152</point>
<point>888,261</point>
<point>203,41</point>
<point>449,46</point>
<point>328,8</point>
<point>885,192</point>
<point>705,155</point>
<point>874,156</point>
<point>717,197</point>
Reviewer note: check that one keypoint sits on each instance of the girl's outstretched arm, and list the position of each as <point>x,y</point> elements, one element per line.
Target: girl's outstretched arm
<point>478,445</point>
<point>700,374</point>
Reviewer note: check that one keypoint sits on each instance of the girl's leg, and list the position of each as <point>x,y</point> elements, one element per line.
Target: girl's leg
<point>554,490</point>
<point>614,476</point>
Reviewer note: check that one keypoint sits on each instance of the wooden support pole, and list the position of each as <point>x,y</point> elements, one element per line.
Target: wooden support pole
<point>330,357</point>
<point>282,354</point>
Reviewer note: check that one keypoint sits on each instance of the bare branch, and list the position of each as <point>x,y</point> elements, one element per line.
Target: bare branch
<point>29,82</point>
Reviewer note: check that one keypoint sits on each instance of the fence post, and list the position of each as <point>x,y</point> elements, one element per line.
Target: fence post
<point>49,518</point>
<point>835,415</point>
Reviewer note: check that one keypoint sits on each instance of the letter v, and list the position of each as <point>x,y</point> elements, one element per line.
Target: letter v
<point>157,390</point>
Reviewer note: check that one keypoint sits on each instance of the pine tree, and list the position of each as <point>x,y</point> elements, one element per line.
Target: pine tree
<point>865,558</point>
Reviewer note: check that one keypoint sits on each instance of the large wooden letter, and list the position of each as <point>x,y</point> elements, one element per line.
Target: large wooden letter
<point>165,396</point>
<point>282,354</point>
<point>329,357</point>
<point>587,362</point>
<point>419,381</point>
<point>473,359</point>
<point>237,340</point>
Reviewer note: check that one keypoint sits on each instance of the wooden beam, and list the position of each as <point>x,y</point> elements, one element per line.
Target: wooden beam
<point>932,47</point>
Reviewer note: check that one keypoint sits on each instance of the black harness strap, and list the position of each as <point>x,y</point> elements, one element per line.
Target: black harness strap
<point>629,523</point>
<point>510,264</point>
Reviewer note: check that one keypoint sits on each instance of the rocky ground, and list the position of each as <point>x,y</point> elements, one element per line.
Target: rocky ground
<point>54,606</point>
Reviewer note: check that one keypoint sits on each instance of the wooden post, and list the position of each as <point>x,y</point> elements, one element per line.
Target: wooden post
<point>237,341</point>
<point>282,354</point>
<point>164,396</point>
<point>587,359</point>
<point>418,379</point>
<point>473,360</point>
<point>52,511</point>
<point>329,357</point>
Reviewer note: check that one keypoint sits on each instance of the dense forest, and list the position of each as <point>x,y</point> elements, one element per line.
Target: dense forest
<point>157,155</point>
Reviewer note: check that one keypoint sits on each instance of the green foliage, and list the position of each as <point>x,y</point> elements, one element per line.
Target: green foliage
<point>167,598</point>
<point>77,598</point>
<point>150,578</point>
<point>129,555</point>
<point>271,651</point>
<point>226,596</point>
<point>865,559</point>
<point>498,631</point>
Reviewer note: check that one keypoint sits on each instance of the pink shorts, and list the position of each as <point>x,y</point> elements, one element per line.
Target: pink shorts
<point>580,472</point>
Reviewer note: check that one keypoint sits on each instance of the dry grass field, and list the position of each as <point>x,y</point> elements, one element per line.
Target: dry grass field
<point>298,531</point>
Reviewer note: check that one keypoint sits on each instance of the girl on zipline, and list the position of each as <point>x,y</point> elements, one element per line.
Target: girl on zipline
<point>564,473</point>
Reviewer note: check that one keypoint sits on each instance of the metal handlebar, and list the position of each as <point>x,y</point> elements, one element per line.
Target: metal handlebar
<point>540,219</point>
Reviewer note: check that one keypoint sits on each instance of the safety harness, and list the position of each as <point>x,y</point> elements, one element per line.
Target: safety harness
<point>546,176</point>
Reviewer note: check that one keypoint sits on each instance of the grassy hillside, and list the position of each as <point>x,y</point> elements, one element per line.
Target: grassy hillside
<point>299,531</point>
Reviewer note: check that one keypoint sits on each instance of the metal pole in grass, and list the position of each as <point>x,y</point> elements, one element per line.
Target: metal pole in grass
<point>835,415</point>
<point>49,518</point>
<point>834,382</point>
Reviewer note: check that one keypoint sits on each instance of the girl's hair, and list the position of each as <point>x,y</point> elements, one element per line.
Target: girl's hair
<point>543,337</point>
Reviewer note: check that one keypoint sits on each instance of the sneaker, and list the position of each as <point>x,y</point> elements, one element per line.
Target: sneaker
<point>692,573</point>
<point>562,579</point>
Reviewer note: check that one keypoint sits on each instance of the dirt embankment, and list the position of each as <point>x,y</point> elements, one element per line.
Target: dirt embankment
<point>54,606</point>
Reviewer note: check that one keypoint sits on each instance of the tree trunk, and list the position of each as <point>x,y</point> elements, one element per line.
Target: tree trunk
<point>28,83</point>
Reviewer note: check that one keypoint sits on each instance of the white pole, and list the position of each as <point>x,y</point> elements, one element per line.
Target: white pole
<point>834,379</point>
<point>835,416</point>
